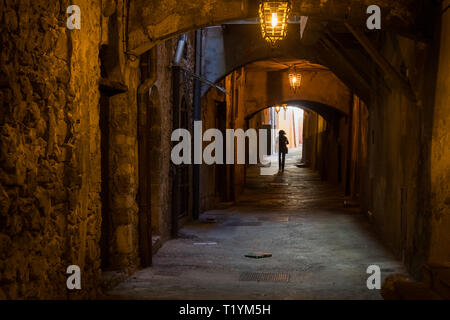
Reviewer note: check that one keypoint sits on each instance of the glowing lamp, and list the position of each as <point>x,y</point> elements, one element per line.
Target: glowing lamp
<point>273,16</point>
<point>295,79</point>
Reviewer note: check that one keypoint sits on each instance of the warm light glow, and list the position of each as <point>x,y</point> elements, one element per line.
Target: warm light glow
<point>273,16</point>
<point>295,79</point>
<point>285,106</point>
<point>277,108</point>
<point>274,19</point>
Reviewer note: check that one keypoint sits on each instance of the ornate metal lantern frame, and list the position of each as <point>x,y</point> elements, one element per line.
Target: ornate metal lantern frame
<point>274,16</point>
<point>295,79</point>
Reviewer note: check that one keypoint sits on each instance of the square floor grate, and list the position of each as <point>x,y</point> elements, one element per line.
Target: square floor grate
<point>265,276</point>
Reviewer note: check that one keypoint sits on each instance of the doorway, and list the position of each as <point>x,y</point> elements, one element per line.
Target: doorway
<point>180,174</point>
<point>144,152</point>
<point>180,194</point>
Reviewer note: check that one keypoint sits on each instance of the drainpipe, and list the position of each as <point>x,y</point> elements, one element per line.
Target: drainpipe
<point>176,82</point>
<point>180,48</point>
<point>197,117</point>
<point>147,84</point>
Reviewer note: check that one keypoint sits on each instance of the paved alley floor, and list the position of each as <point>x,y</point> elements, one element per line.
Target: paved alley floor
<point>320,250</point>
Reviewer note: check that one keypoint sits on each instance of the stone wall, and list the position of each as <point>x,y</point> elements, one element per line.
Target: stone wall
<point>120,245</point>
<point>440,151</point>
<point>235,84</point>
<point>49,154</point>
<point>314,126</point>
<point>398,151</point>
<point>326,147</point>
<point>234,117</point>
<point>162,188</point>
<point>397,180</point>
<point>123,148</point>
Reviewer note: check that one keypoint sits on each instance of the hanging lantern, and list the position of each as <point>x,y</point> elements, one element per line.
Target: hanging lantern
<point>274,16</point>
<point>295,79</point>
<point>285,107</point>
<point>277,108</point>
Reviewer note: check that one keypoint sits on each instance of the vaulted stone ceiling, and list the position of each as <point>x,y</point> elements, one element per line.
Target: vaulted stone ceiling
<point>326,40</point>
<point>152,20</point>
<point>242,45</point>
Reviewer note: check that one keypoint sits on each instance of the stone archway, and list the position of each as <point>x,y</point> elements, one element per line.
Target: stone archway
<point>231,47</point>
<point>153,21</point>
<point>325,111</point>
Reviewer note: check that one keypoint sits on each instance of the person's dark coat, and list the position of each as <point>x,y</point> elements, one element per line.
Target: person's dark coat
<point>282,143</point>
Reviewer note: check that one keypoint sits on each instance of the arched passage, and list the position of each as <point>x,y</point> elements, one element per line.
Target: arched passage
<point>267,84</point>
<point>150,21</point>
<point>330,105</point>
<point>64,155</point>
<point>326,111</point>
<point>226,48</point>
<point>334,143</point>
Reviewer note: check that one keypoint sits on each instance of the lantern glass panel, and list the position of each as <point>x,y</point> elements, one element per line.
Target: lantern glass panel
<point>274,17</point>
<point>295,79</point>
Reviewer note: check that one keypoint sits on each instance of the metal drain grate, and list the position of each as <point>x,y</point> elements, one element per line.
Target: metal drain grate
<point>266,277</point>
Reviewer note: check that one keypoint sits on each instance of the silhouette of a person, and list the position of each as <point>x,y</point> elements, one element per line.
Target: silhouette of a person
<point>282,149</point>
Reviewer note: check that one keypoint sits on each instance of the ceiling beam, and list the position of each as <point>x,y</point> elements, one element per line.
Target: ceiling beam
<point>394,77</point>
<point>336,51</point>
<point>354,56</point>
<point>338,67</point>
<point>398,16</point>
<point>349,71</point>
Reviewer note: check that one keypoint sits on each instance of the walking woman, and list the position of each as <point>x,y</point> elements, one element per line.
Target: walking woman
<point>282,149</point>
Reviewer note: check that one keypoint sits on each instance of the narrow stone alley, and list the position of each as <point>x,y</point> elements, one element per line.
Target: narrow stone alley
<point>134,134</point>
<point>320,250</point>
